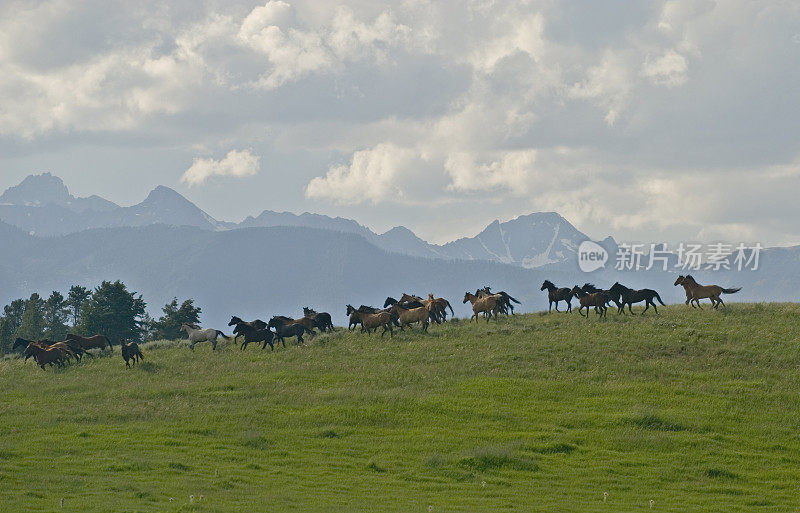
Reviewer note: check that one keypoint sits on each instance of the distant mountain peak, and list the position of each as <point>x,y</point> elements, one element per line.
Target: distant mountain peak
<point>163,194</point>
<point>37,190</point>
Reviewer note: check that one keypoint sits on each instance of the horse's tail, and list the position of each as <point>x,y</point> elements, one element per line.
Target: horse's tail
<point>108,342</point>
<point>226,337</point>
<point>655,295</point>
<point>731,291</point>
<point>452,313</point>
<point>512,299</point>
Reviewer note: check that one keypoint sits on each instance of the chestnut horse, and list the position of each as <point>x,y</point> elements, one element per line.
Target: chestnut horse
<point>695,292</point>
<point>596,299</point>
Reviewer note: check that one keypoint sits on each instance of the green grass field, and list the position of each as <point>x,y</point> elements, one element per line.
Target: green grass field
<point>694,410</point>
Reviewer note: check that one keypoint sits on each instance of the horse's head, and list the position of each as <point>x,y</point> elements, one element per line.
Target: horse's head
<point>466,297</point>
<point>276,322</point>
<point>577,291</point>
<point>234,320</point>
<point>350,309</point>
<point>430,296</point>
<point>679,280</point>
<point>547,285</point>
<point>185,327</point>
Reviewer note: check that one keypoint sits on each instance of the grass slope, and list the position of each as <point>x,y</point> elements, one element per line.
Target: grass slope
<point>696,411</point>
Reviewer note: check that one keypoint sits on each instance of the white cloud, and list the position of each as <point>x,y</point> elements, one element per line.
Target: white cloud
<point>295,51</point>
<point>373,175</point>
<point>511,172</point>
<point>670,69</point>
<point>236,163</point>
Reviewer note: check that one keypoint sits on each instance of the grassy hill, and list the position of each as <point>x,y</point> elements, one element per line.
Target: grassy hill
<point>696,411</point>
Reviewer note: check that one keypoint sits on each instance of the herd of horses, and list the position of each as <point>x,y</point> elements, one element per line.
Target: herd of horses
<point>409,310</point>
<point>590,296</point>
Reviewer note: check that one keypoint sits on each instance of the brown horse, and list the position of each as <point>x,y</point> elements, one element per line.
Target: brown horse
<point>695,292</point>
<point>486,305</point>
<point>598,300</point>
<point>371,322</point>
<point>438,307</point>
<point>46,356</point>
<point>93,342</point>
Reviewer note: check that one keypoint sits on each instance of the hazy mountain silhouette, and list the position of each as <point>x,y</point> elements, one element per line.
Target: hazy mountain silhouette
<point>42,205</point>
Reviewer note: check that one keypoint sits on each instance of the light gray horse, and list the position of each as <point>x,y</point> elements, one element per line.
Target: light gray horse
<point>200,335</point>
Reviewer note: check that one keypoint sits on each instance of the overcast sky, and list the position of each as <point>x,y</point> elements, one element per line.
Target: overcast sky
<point>647,121</point>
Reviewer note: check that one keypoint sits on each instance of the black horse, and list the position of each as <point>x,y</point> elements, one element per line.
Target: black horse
<point>390,301</point>
<point>283,330</point>
<point>257,324</point>
<point>555,294</point>
<point>629,296</point>
<point>131,352</point>
<point>322,320</point>
<point>252,334</point>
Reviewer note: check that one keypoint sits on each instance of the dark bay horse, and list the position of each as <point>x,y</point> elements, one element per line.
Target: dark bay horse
<point>629,296</point>
<point>252,334</point>
<point>130,352</point>
<point>257,324</point>
<point>46,356</point>
<point>284,327</point>
<point>93,342</point>
<point>322,320</point>
<point>555,294</point>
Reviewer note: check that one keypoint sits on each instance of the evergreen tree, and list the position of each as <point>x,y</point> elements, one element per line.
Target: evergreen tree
<point>56,313</point>
<point>168,327</point>
<point>114,312</point>
<point>33,324</point>
<point>10,323</point>
<point>77,295</point>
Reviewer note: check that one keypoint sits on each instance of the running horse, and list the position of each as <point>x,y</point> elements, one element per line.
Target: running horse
<point>695,292</point>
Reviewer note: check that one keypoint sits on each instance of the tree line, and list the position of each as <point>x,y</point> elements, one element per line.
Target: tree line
<point>109,309</point>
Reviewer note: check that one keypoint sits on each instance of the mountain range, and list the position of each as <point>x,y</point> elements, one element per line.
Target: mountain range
<point>43,206</point>
<point>276,263</point>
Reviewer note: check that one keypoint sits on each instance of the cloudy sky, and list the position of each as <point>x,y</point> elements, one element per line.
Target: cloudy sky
<point>675,120</point>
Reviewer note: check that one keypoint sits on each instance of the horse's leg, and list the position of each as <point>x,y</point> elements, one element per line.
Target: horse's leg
<point>655,309</point>
<point>630,307</point>
<point>557,310</point>
<point>646,306</point>
<point>719,298</point>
